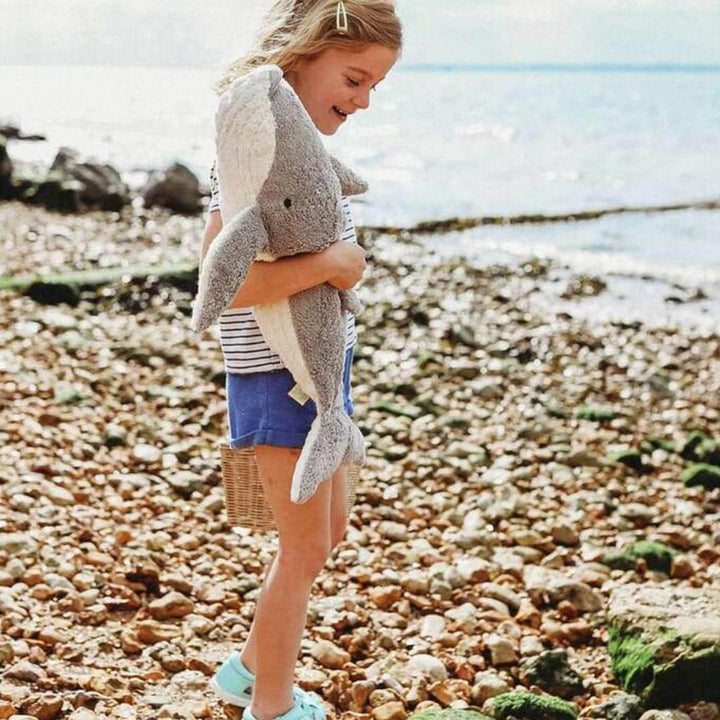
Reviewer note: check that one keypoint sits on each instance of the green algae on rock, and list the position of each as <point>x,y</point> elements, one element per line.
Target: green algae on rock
<point>448,714</point>
<point>630,458</point>
<point>529,706</point>
<point>654,441</point>
<point>657,555</point>
<point>182,275</point>
<point>700,447</point>
<point>633,656</point>
<point>410,411</point>
<point>591,412</point>
<point>665,642</point>
<point>701,474</point>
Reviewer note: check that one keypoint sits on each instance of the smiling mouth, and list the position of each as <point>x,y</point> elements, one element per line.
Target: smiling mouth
<point>339,113</point>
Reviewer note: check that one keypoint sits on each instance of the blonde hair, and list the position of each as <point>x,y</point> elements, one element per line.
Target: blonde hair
<point>294,29</point>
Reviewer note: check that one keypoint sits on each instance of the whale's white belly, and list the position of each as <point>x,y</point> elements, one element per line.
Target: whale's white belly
<point>276,325</point>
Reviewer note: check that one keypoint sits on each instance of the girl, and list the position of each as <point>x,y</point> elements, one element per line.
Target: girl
<point>333,54</point>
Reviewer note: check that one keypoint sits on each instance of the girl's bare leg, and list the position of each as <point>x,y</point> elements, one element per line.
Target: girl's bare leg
<point>338,525</point>
<point>303,548</point>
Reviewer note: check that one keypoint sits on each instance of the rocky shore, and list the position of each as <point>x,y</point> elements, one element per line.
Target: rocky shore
<point>534,484</point>
<point>76,183</point>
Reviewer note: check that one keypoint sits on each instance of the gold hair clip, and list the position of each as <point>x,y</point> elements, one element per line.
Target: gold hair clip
<point>341,27</point>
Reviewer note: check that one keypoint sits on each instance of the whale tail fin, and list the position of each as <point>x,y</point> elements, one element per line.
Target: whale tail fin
<point>333,440</point>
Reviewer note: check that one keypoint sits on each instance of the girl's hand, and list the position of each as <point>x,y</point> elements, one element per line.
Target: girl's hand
<point>346,263</point>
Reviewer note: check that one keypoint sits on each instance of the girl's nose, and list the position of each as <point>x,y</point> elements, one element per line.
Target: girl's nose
<point>362,100</point>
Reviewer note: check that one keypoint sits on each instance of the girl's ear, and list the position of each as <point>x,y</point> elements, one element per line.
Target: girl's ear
<point>350,183</point>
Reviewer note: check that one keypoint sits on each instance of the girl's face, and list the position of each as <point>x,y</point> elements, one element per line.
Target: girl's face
<point>339,80</point>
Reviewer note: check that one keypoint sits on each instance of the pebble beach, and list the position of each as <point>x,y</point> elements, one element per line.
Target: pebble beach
<point>524,466</point>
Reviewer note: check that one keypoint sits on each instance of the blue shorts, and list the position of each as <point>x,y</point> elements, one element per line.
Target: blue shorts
<point>260,411</point>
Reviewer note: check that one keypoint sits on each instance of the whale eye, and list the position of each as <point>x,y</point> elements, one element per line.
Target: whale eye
<point>288,202</point>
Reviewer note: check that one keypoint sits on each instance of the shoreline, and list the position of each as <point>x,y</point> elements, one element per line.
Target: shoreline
<point>653,300</point>
<point>600,296</point>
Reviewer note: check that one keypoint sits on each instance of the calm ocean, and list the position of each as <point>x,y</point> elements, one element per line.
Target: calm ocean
<point>444,141</point>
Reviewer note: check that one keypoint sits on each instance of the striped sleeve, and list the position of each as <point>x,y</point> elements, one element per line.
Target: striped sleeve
<point>214,190</point>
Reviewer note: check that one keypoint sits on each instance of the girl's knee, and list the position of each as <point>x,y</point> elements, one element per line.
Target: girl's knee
<point>307,561</point>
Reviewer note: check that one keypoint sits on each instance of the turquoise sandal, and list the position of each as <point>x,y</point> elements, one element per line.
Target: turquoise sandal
<point>299,711</point>
<point>233,683</point>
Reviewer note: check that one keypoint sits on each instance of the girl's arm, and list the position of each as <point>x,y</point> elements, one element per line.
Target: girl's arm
<point>268,282</point>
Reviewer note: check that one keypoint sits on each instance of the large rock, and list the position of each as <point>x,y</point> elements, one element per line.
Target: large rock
<point>176,188</point>
<point>12,187</point>
<point>6,169</point>
<point>665,642</point>
<point>617,707</point>
<point>56,192</point>
<point>551,671</point>
<point>75,184</point>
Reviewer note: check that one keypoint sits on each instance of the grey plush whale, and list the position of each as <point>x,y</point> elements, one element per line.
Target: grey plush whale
<point>281,194</point>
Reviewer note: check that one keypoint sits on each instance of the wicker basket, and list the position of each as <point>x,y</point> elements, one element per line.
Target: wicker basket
<point>245,501</point>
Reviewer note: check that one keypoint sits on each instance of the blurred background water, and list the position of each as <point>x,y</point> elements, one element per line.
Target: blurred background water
<point>444,142</point>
